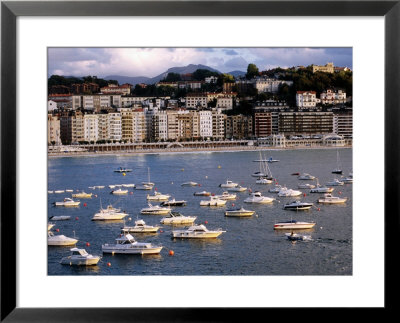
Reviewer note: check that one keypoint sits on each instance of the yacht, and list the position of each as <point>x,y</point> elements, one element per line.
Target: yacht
<point>122,170</point>
<point>226,196</point>
<point>177,218</point>
<point>347,180</point>
<point>189,184</point>
<point>128,185</point>
<point>335,182</point>
<point>158,197</point>
<point>239,212</point>
<point>297,205</point>
<point>330,199</point>
<point>197,232</point>
<point>289,192</point>
<point>293,224</point>
<point>59,240</point>
<point>321,189</point>
<point>236,189</point>
<point>59,217</point>
<point>256,197</point>
<point>50,226</point>
<point>306,185</point>
<point>297,237</point>
<point>119,192</point>
<point>82,195</point>
<point>140,227</point>
<point>144,187</point>
<point>148,183</point>
<point>126,244</point>
<point>79,257</point>
<point>213,201</point>
<point>202,193</point>
<point>59,191</point>
<point>67,202</point>
<point>228,184</point>
<point>277,189</point>
<point>155,210</point>
<point>262,180</point>
<point>305,176</point>
<point>109,213</point>
<point>173,202</point>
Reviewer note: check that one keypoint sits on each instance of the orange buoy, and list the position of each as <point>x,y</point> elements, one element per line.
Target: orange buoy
<point>171,252</point>
<point>205,221</point>
<point>161,231</point>
<point>87,244</point>
<point>109,264</point>
<point>319,209</point>
<point>57,230</point>
<point>76,218</point>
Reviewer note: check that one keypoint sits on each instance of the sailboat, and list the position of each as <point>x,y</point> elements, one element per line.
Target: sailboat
<point>148,183</point>
<point>338,169</point>
<point>264,170</point>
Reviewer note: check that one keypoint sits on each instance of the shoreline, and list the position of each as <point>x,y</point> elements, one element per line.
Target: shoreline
<point>187,150</point>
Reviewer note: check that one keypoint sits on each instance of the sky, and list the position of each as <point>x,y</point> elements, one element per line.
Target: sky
<point>150,62</point>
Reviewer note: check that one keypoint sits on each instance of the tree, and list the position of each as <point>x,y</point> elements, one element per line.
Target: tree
<point>252,70</point>
<point>172,77</point>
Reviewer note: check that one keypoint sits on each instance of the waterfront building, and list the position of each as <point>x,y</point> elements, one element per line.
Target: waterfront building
<point>114,126</point>
<point>333,97</point>
<point>343,124</point>
<point>157,125</point>
<point>103,133</point>
<point>126,124</point>
<point>262,124</point>
<point>91,127</point>
<point>205,124</point>
<point>139,129</point>
<point>306,99</point>
<point>302,122</point>
<point>53,129</point>
<point>239,127</point>
<point>218,120</point>
<point>328,68</point>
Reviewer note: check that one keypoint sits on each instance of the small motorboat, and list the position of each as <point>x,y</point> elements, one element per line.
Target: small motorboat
<point>337,171</point>
<point>69,190</point>
<point>293,224</point>
<point>59,240</point>
<point>335,182</point>
<point>79,257</point>
<point>128,185</point>
<point>236,189</point>
<point>190,184</point>
<point>298,206</point>
<point>109,213</point>
<point>276,189</point>
<point>50,192</point>
<point>228,184</point>
<point>173,202</point>
<point>111,186</point>
<point>263,180</point>
<point>257,198</point>
<point>347,180</point>
<point>306,176</point>
<point>295,174</point>
<point>330,199</point>
<point>122,170</point>
<point>155,210</point>
<point>239,212</point>
<point>298,237</point>
<point>226,196</point>
<point>202,193</point>
<point>177,218</point>
<point>321,189</point>
<point>269,160</point>
<point>99,186</point>
<point>82,195</point>
<point>59,191</point>
<point>197,232</point>
<point>140,227</point>
<point>67,202</point>
<point>289,192</point>
<point>261,174</point>
<point>158,197</point>
<point>119,192</point>
<point>213,201</point>
<point>306,185</point>
<point>126,244</point>
<point>144,187</point>
<point>59,217</point>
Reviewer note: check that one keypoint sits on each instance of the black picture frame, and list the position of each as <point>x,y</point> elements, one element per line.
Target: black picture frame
<point>10,10</point>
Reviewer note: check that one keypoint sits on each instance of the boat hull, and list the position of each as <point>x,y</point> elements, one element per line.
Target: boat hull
<point>178,221</point>
<point>131,251</point>
<point>158,212</point>
<point>206,235</point>
<point>291,226</point>
<point>62,243</point>
<point>80,262</point>
<point>298,208</point>
<point>341,201</point>
<point>104,217</point>
<point>238,214</point>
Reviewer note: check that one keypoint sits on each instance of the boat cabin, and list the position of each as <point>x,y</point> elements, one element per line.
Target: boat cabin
<point>78,252</point>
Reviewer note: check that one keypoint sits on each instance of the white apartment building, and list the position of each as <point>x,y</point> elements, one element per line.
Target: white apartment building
<point>306,99</point>
<point>205,124</point>
<point>218,124</point>
<point>114,126</point>
<point>196,100</point>
<point>225,103</point>
<point>333,97</point>
<point>103,133</point>
<point>53,129</point>
<point>211,79</point>
<point>269,85</point>
<point>343,124</point>
<point>139,128</point>
<point>91,127</point>
<point>95,102</point>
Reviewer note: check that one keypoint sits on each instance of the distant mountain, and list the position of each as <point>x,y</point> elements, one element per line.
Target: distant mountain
<point>151,80</point>
<point>237,73</point>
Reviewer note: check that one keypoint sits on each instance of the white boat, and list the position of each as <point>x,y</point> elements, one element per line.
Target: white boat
<point>119,192</point>
<point>59,217</point>
<point>297,205</point>
<point>50,226</point>
<point>50,192</point>
<point>140,227</point>
<point>128,185</point>
<point>321,189</point>
<point>335,182</point>
<point>144,187</point>
<point>293,224</point>
<point>213,201</point>
<point>257,197</point>
<point>289,192</point>
<point>239,212</point>
<point>148,183</point>
<point>69,190</point>
<point>59,191</point>
<point>236,189</point>
<point>173,202</point>
<point>158,197</point>
<point>109,213</point>
<point>67,202</point>
<point>330,199</point>
<point>59,240</point>
<point>264,171</point>
<point>306,176</point>
<point>306,185</point>
<point>276,189</point>
<point>79,257</point>
<point>177,218</point>
<point>126,244</point>
<point>122,170</point>
<point>263,181</point>
<point>202,193</point>
<point>99,186</point>
<point>269,160</point>
<point>226,196</point>
<point>189,184</point>
<point>82,195</point>
<point>197,232</point>
<point>111,186</point>
<point>338,169</point>
<point>228,183</point>
<point>155,210</point>
<point>347,180</point>
<point>298,237</point>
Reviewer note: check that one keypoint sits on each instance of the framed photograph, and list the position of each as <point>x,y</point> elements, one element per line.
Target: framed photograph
<point>234,116</point>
